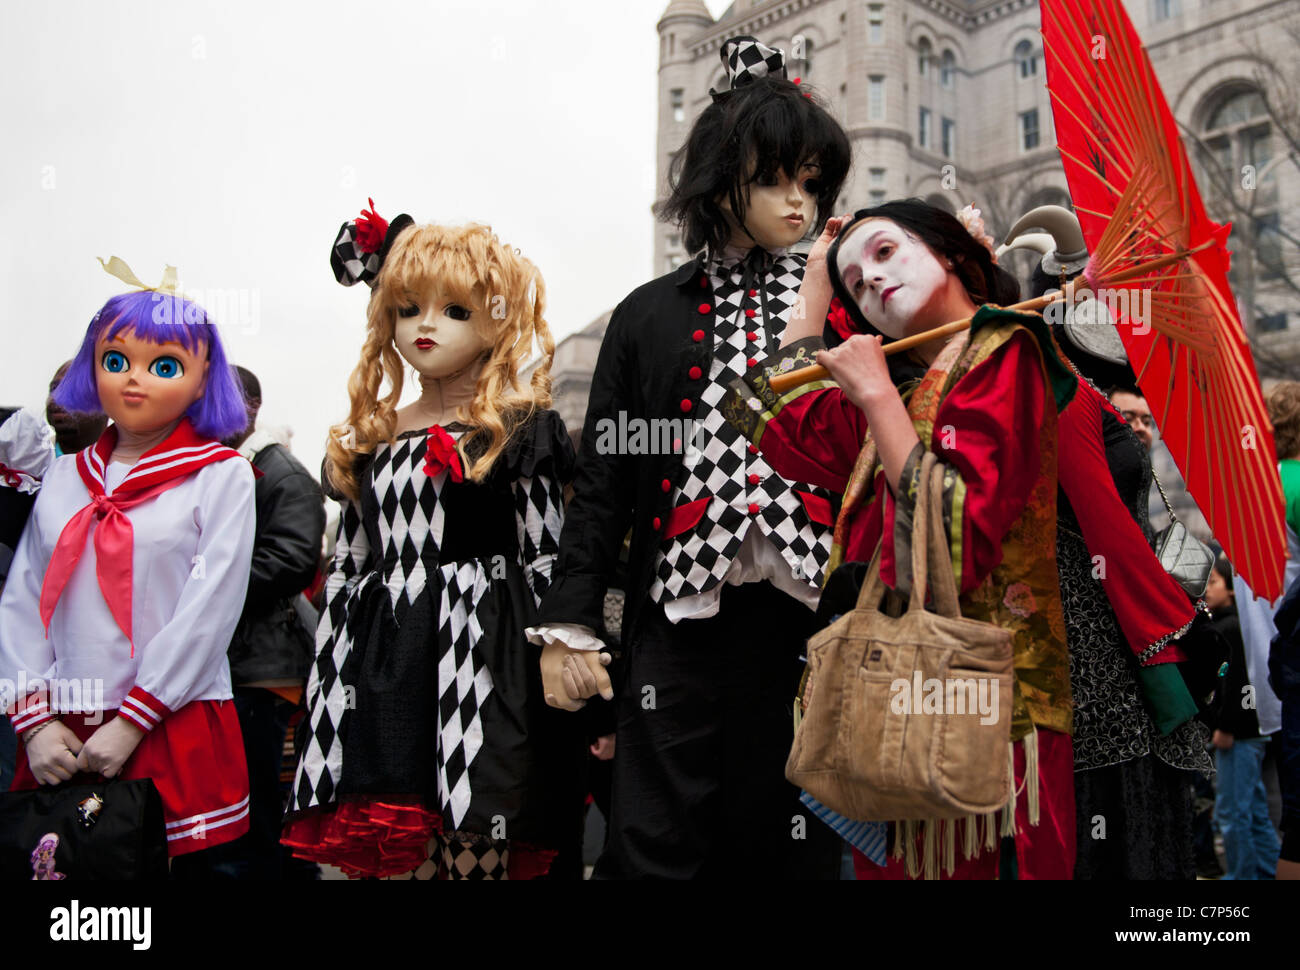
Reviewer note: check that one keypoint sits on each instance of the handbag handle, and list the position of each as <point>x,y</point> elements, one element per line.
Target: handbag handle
<point>1163,497</point>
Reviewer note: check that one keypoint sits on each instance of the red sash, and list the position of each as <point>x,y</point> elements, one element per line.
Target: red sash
<point>164,466</point>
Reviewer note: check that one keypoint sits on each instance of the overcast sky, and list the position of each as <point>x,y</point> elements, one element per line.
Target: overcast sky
<point>232,138</point>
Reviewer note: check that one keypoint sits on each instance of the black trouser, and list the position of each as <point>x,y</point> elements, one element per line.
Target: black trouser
<point>704,729</point>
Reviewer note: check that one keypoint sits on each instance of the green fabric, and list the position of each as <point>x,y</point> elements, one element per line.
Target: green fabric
<point>1291,492</point>
<point>1059,375</point>
<point>1165,691</point>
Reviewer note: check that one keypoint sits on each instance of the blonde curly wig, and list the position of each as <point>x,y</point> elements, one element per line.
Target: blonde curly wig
<point>1284,411</point>
<point>506,293</point>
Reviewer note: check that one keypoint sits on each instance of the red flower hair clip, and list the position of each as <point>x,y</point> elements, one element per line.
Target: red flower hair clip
<point>838,318</point>
<point>440,452</point>
<point>371,229</point>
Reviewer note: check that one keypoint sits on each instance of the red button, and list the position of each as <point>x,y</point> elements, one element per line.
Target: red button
<point>704,308</point>
<point>753,479</point>
<point>751,313</point>
<point>695,373</point>
<point>752,362</point>
<point>656,523</point>
<point>697,336</point>
<point>753,509</point>
<point>751,336</point>
<point>686,405</point>
<point>753,449</point>
<point>666,485</point>
<point>753,292</point>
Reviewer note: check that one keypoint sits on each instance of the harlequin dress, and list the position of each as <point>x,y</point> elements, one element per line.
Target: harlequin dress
<point>426,718</point>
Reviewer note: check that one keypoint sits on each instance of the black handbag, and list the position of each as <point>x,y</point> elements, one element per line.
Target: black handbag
<point>105,830</point>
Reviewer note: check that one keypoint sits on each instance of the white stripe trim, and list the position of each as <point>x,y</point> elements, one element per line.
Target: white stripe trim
<point>143,708</point>
<point>197,461</point>
<point>95,466</point>
<point>203,816</point>
<point>168,458</point>
<point>192,833</point>
<point>21,722</point>
<point>132,715</point>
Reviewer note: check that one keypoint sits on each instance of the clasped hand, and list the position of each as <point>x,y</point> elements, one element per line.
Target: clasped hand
<point>571,676</point>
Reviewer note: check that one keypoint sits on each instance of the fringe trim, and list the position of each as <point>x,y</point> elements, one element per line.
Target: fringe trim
<point>938,836</point>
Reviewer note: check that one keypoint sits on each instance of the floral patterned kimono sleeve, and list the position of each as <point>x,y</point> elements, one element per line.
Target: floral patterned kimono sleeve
<point>986,436</point>
<point>810,434</point>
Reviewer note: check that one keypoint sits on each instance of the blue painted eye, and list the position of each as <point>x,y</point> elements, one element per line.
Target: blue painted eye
<point>168,367</point>
<point>115,362</point>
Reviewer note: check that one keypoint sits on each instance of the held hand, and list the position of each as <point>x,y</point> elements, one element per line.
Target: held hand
<point>858,366</point>
<point>603,749</point>
<point>1222,740</point>
<point>108,748</point>
<point>570,676</point>
<point>52,753</point>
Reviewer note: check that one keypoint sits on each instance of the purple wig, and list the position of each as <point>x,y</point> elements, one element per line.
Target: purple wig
<point>160,317</point>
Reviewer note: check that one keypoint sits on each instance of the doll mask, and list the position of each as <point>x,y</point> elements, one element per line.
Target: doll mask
<point>145,386</point>
<point>779,210</point>
<point>896,280</point>
<point>437,336</point>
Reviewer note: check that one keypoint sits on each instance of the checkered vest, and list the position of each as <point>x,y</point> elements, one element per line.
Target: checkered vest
<point>753,298</point>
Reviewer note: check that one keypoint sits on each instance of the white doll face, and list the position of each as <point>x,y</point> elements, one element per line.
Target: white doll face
<point>779,209</point>
<point>437,336</point>
<point>897,280</point>
<point>144,386</point>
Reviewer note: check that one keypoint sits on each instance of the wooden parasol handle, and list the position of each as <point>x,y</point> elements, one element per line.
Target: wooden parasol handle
<point>782,383</point>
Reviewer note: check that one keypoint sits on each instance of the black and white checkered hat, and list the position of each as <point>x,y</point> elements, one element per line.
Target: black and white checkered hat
<point>747,60</point>
<point>351,263</point>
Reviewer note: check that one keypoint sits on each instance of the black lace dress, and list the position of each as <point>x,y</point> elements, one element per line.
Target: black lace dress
<point>1132,803</point>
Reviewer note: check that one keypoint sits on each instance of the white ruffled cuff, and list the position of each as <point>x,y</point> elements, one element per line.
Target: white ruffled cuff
<point>575,636</point>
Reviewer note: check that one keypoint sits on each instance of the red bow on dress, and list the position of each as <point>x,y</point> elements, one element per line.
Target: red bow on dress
<point>160,468</point>
<point>10,475</point>
<point>440,452</point>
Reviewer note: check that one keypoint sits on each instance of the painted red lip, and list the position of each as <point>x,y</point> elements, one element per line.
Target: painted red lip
<point>424,343</point>
<point>132,396</point>
<point>884,297</point>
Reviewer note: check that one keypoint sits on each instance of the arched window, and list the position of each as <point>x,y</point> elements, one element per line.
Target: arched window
<point>947,68</point>
<point>1026,59</point>
<point>924,54</point>
<point>1238,132</point>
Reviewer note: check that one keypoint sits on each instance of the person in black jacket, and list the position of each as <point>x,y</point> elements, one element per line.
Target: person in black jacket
<point>726,557</point>
<point>1250,842</point>
<point>272,648</point>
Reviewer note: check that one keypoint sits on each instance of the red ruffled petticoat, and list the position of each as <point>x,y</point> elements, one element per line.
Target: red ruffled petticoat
<point>376,839</point>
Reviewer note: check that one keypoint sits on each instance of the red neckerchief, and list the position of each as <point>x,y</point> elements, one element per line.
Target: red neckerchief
<point>162,467</point>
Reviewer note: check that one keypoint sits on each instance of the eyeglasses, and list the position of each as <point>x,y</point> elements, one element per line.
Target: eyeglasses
<point>1136,417</point>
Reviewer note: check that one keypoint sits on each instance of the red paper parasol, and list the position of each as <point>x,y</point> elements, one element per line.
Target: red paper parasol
<point>1146,227</point>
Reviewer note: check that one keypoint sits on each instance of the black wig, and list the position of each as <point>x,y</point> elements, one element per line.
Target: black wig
<point>769,125</point>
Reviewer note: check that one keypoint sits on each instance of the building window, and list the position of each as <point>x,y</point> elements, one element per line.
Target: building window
<point>674,241</point>
<point>1029,130</point>
<point>876,97</point>
<point>1164,9</point>
<point>1271,323</point>
<point>1239,133</point>
<point>949,137</point>
<point>947,68</point>
<point>923,129</point>
<point>875,23</point>
<point>679,104</point>
<point>924,54</point>
<point>1026,59</point>
<point>1268,247</point>
<point>877,177</point>
<point>877,196</point>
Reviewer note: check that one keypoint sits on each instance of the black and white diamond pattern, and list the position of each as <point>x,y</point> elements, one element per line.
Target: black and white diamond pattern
<point>747,60</point>
<point>410,528</point>
<point>539,517</point>
<point>464,683</point>
<point>719,464</point>
<point>350,263</point>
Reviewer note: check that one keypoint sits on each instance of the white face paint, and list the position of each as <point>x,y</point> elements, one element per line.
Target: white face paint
<point>779,210</point>
<point>897,280</point>
<point>437,336</point>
